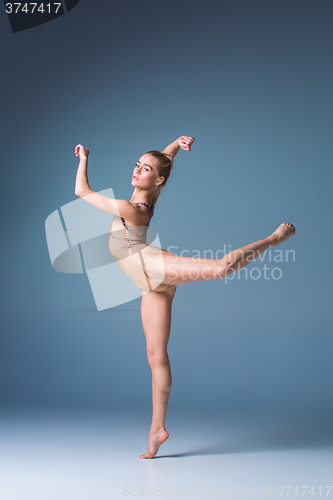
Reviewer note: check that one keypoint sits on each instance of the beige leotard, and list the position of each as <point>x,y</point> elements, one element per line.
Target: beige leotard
<point>130,251</point>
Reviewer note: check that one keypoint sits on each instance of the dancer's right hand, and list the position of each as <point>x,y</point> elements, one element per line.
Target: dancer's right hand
<point>81,152</point>
<point>185,142</point>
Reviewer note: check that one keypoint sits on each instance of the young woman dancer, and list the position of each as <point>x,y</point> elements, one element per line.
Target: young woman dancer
<point>156,271</point>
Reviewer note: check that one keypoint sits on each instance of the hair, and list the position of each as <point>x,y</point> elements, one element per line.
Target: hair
<point>164,165</point>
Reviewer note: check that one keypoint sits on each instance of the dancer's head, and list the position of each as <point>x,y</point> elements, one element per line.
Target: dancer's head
<point>152,172</point>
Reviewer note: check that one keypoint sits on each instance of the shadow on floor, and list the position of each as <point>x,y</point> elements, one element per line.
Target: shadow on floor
<point>270,434</point>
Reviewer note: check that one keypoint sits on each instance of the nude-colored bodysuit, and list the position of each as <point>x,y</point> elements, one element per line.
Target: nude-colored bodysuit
<point>130,249</point>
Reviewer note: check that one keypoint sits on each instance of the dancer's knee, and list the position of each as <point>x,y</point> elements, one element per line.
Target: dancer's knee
<point>224,268</point>
<point>157,358</point>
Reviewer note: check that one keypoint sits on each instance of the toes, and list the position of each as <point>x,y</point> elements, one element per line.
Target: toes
<point>147,455</point>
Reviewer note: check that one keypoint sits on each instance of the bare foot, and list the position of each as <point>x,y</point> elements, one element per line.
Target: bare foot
<point>155,439</point>
<point>283,232</point>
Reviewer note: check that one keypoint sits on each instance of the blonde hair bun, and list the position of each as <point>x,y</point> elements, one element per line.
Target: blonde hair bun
<point>170,158</point>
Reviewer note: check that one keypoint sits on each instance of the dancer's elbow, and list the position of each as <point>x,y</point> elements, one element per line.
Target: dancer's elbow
<point>81,192</point>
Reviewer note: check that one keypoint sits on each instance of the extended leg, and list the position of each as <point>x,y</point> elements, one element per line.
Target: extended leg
<point>165,267</point>
<point>156,322</point>
<point>237,259</point>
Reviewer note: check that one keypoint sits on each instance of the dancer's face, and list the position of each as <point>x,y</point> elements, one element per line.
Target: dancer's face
<point>145,174</point>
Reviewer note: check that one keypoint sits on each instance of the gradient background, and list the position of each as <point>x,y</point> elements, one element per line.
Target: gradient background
<point>252,82</point>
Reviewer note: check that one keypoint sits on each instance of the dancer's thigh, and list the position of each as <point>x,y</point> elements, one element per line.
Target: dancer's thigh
<point>156,321</point>
<point>165,267</point>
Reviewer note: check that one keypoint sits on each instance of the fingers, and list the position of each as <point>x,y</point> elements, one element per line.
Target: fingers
<point>186,142</point>
<point>79,148</point>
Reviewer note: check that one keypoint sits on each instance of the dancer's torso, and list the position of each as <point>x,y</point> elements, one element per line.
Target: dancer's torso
<point>128,244</point>
<point>125,239</point>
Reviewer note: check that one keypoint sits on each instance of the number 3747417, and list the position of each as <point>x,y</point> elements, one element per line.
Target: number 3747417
<point>30,8</point>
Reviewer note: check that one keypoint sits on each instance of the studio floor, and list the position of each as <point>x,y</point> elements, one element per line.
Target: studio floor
<point>210,454</point>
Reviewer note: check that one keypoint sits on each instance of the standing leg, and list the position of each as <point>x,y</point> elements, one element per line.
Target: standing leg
<point>156,322</point>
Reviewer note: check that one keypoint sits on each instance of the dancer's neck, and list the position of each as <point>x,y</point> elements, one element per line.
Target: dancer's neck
<point>136,199</point>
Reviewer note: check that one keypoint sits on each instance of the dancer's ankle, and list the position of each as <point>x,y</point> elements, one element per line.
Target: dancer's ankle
<point>154,428</point>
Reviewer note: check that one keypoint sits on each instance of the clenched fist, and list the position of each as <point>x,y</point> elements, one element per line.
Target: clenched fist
<point>185,142</point>
<point>81,152</point>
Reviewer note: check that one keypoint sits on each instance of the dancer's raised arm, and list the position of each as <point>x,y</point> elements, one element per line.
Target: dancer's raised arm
<point>122,208</point>
<point>183,142</point>
<point>81,183</point>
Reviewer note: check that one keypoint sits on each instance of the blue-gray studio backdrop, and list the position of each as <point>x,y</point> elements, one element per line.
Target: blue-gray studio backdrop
<point>252,82</point>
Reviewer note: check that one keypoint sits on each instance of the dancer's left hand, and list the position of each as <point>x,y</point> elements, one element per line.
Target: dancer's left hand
<point>185,142</point>
<point>81,152</point>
